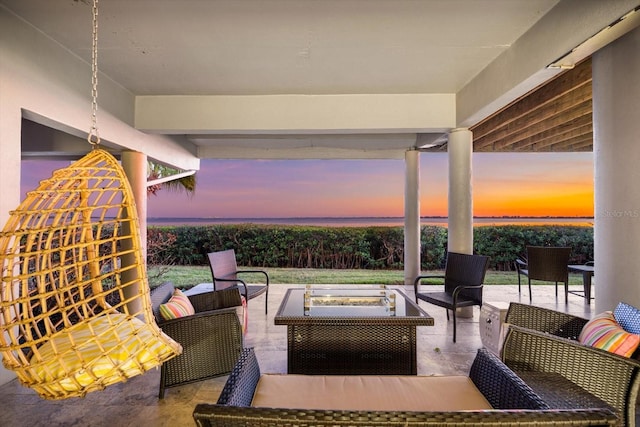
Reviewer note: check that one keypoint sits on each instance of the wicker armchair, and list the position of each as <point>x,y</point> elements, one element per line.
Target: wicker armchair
<point>211,339</point>
<point>463,278</point>
<point>546,263</point>
<point>567,374</point>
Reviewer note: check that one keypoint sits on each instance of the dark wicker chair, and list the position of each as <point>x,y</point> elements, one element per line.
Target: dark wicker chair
<point>463,279</point>
<point>224,271</point>
<point>567,374</point>
<point>211,339</point>
<point>545,263</point>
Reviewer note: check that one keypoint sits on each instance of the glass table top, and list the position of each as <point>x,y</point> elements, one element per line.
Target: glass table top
<point>348,301</point>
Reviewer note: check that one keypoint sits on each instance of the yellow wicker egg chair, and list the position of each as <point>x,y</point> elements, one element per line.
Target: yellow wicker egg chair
<point>75,311</point>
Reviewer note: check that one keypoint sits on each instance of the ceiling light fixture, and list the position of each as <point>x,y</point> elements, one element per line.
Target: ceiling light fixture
<point>602,38</point>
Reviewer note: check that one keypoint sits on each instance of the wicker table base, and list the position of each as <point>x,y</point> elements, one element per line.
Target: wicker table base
<point>351,345</point>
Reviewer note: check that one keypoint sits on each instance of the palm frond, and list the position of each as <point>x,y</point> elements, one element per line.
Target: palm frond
<point>156,171</point>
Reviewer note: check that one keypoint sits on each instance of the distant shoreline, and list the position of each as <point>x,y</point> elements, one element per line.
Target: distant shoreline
<point>370,221</point>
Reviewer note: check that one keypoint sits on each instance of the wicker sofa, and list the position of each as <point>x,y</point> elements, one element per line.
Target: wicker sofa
<point>211,339</point>
<point>513,401</point>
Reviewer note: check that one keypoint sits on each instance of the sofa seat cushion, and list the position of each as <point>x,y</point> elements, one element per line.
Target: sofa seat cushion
<point>369,393</point>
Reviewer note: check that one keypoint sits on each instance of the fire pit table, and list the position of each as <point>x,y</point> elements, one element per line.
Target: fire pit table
<point>354,330</point>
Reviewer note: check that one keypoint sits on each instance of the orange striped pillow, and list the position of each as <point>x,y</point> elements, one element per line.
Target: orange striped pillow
<point>177,306</point>
<point>605,333</point>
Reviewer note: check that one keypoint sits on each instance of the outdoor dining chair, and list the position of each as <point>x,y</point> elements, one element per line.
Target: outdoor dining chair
<point>463,281</point>
<point>224,271</point>
<point>545,263</point>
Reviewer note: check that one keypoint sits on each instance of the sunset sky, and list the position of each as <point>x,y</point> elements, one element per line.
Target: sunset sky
<point>505,184</point>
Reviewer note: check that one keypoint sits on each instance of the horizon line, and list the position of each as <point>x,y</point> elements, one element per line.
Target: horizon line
<point>364,217</point>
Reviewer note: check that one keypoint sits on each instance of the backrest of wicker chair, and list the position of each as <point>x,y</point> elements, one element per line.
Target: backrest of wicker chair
<point>465,270</point>
<point>548,263</point>
<point>223,266</point>
<point>71,253</point>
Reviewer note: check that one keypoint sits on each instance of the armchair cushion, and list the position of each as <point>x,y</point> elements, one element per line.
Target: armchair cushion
<point>628,317</point>
<point>605,333</point>
<point>177,306</point>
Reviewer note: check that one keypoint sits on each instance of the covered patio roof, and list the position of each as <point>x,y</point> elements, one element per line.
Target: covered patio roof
<point>334,79</point>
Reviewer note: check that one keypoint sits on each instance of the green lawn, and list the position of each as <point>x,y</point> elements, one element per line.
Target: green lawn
<point>186,277</point>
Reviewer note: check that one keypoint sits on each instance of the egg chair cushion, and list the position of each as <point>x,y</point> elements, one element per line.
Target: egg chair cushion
<point>100,351</point>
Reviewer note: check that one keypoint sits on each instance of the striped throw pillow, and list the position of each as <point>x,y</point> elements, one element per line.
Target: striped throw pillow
<point>177,306</point>
<point>605,333</point>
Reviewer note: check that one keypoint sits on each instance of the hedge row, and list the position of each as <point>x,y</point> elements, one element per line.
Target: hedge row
<point>351,247</point>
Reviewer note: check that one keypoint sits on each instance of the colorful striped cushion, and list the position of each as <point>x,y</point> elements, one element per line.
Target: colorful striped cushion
<point>177,306</point>
<point>605,333</point>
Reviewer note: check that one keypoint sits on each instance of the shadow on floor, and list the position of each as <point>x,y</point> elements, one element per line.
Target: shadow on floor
<point>136,403</point>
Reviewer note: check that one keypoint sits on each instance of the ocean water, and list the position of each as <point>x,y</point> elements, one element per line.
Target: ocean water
<point>370,221</point>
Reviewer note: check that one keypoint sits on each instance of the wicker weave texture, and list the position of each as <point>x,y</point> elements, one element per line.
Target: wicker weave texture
<point>545,320</point>
<point>353,349</point>
<point>233,406</point>
<point>71,253</point>
<point>609,377</point>
<point>211,338</point>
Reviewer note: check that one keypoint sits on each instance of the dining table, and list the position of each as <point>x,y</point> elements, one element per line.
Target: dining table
<point>587,271</point>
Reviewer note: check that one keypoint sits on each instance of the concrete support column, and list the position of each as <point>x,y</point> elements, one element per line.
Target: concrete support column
<point>411,217</point>
<point>460,232</point>
<point>460,149</point>
<point>10,158</point>
<point>135,166</point>
<point>616,102</point>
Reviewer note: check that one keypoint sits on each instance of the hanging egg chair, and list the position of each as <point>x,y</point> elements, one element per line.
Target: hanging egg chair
<point>75,311</point>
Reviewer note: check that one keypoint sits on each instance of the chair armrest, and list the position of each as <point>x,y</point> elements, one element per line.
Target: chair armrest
<point>521,264</point>
<point>429,276</point>
<point>416,282</point>
<point>236,281</point>
<point>418,279</point>
<point>459,289</point>
<point>222,316</point>
<point>545,320</point>
<point>266,276</point>
<point>215,300</point>
<point>500,385</point>
<point>241,384</point>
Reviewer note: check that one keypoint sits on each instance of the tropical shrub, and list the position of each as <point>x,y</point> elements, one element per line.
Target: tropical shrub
<point>352,247</point>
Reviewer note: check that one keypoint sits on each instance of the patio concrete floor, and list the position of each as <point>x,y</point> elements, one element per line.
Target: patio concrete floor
<point>136,403</point>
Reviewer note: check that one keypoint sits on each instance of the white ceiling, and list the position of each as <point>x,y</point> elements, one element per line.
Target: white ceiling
<point>294,47</point>
<point>249,47</point>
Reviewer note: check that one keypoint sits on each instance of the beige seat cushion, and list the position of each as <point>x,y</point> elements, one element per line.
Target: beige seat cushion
<point>369,393</point>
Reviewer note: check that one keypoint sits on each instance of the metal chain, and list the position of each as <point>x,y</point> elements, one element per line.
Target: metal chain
<point>94,136</point>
